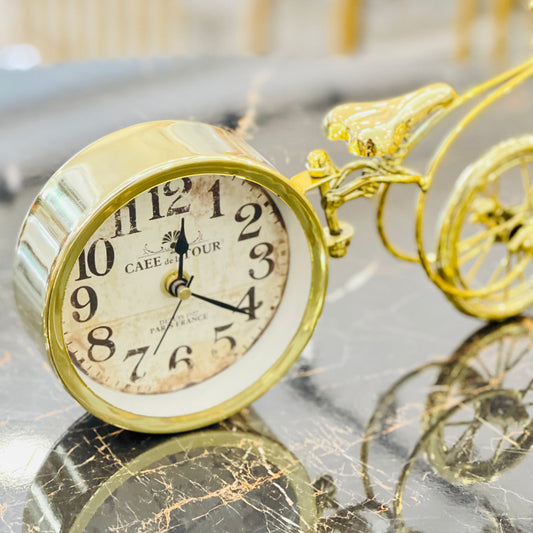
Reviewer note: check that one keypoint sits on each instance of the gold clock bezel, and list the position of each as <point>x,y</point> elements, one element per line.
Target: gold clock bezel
<point>246,166</point>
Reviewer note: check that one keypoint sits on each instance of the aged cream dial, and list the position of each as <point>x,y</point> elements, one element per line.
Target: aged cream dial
<point>135,320</point>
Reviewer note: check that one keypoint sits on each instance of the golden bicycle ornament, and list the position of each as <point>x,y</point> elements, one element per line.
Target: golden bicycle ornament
<point>174,276</point>
<point>480,225</point>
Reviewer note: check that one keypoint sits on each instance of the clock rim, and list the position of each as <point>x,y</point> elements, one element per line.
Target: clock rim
<point>246,166</point>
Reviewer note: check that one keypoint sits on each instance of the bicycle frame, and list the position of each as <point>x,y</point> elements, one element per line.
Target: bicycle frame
<point>377,174</point>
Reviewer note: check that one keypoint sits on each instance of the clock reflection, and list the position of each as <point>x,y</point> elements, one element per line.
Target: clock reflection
<point>227,478</point>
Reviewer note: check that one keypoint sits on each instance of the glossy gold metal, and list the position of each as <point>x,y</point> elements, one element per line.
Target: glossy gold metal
<point>382,134</point>
<point>94,184</point>
<point>507,229</point>
<point>184,294</point>
<point>375,129</point>
<point>173,286</point>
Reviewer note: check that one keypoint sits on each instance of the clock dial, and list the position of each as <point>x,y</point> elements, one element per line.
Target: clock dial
<point>177,285</point>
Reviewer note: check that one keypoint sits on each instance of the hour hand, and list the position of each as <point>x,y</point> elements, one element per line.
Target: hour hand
<point>181,247</point>
<point>220,304</point>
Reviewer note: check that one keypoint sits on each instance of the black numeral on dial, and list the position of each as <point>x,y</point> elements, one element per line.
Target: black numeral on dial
<point>132,220</point>
<point>262,251</point>
<point>183,187</point>
<point>245,212</point>
<point>97,266</point>
<point>131,353</point>
<point>251,307</point>
<point>219,338</point>
<point>175,358</point>
<point>101,347</point>
<point>91,301</point>
<point>215,191</point>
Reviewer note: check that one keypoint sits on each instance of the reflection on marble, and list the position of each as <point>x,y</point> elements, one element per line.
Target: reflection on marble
<point>227,478</point>
<point>474,427</point>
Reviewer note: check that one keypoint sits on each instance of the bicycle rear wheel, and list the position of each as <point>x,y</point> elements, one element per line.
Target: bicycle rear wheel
<point>486,240</point>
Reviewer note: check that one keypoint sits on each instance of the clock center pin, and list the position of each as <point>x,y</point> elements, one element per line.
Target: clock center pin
<point>177,286</point>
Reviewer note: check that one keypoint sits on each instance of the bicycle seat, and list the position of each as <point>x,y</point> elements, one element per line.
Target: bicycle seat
<point>378,128</point>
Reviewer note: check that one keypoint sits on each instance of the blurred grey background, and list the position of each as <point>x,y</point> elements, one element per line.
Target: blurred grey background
<point>112,63</point>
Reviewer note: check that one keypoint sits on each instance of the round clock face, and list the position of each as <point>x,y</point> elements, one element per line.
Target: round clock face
<point>177,285</point>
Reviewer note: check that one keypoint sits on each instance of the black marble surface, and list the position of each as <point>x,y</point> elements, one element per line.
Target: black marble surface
<point>365,432</point>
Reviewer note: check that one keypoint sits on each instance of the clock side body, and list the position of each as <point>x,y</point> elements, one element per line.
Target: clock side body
<point>104,177</point>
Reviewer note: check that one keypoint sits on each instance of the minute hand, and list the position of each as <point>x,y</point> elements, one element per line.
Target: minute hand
<point>220,304</point>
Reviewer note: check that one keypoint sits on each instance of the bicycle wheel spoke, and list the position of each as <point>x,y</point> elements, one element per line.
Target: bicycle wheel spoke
<point>482,248</point>
<point>511,441</point>
<point>510,276</point>
<point>526,180</point>
<point>522,275</point>
<point>468,242</point>
<point>466,441</point>
<point>484,367</point>
<point>479,261</point>
<point>525,390</point>
<point>524,278</point>
<point>461,423</point>
<point>499,269</point>
<point>499,361</point>
<point>509,354</point>
<point>500,444</point>
<point>518,359</point>
<point>508,271</point>
<point>496,189</point>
